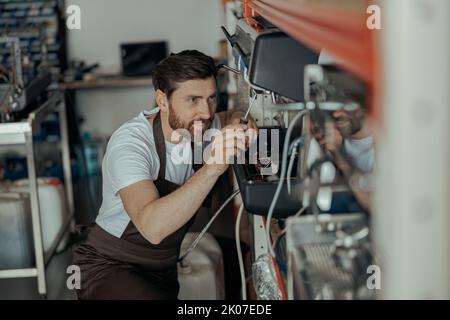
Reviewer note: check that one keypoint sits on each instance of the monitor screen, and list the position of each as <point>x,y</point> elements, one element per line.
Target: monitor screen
<point>140,59</point>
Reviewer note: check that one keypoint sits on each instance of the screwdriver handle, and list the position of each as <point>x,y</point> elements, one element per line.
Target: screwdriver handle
<point>243,121</point>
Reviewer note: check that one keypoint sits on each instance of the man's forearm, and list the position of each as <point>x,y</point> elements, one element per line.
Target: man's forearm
<point>167,214</point>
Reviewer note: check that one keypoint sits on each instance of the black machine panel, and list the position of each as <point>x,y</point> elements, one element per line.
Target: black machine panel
<point>278,62</point>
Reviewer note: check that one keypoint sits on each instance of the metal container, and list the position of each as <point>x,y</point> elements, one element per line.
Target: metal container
<point>201,273</point>
<point>16,241</point>
<point>52,207</point>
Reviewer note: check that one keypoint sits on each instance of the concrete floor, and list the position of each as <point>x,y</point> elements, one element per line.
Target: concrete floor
<point>26,288</point>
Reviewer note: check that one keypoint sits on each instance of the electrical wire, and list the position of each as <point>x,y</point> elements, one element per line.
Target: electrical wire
<point>295,216</point>
<point>293,151</point>
<point>282,176</point>
<point>202,233</point>
<point>280,262</point>
<point>277,244</point>
<point>289,170</point>
<point>239,253</point>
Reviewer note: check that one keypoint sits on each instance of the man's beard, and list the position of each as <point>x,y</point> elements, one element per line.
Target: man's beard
<point>176,123</point>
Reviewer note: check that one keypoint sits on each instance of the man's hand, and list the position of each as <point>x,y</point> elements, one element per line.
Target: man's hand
<point>332,139</point>
<point>235,118</point>
<point>227,145</point>
<point>251,137</point>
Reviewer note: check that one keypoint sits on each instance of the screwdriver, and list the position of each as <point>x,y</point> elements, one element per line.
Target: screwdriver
<point>244,119</point>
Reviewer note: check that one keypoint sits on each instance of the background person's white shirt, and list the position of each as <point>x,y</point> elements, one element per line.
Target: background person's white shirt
<point>360,153</point>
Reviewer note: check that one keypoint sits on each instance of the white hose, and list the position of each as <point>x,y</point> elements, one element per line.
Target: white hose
<point>285,229</point>
<point>239,253</point>
<point>293,149</point>
<point>290,167</point>
<point>202,233</point>
<point>281,179</point>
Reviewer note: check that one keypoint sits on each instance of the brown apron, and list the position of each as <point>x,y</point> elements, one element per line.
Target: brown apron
<point>130,267</point>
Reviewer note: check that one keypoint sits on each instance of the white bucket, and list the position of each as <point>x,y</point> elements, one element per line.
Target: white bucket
<point>201,274</point>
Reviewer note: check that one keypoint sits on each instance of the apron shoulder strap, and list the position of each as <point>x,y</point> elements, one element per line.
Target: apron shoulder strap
<point>160,146</point>
<point>162,184</point>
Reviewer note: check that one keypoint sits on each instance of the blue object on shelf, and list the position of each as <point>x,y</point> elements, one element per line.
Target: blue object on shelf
<point>15,168</point>
<point>55,169</point>
<point>49,129</point>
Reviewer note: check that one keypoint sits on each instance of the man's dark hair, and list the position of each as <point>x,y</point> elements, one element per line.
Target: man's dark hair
<point>183,66</point>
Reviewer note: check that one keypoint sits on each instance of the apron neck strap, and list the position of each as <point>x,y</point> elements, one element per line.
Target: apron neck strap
<point>160,145</point>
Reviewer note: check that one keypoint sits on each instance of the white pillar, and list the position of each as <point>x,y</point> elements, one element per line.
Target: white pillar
<point>412,202</point>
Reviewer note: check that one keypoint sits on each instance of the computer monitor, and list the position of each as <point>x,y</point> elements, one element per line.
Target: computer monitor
<point>140,59</point>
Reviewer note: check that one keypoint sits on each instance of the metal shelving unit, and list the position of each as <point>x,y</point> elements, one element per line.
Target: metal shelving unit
<point>21,133</point>
<point>38,24</point>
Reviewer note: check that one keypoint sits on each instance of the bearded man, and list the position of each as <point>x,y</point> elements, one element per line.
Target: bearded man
<point>150,200</point>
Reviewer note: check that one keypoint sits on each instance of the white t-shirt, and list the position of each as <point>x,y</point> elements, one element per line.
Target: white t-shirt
<point>361,153</point>
<point>131,157</point>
